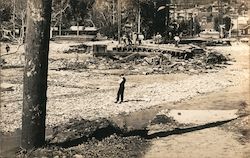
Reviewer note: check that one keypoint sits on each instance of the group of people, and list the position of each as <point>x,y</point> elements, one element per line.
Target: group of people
<point>158,39</point>
<point>127,39</point>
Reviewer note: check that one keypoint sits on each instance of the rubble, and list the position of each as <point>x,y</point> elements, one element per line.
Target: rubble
<point>189,59</point>
<point>149,59</point>
<point>112,146</point>
<point>82,129</point>
<point>215,58</point>
<point>81,48</point>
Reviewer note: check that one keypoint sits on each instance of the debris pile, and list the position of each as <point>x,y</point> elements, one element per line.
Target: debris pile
<point>216,58</point>
<point>64,64</point>
<point>81,48</point>
<point>113,146</point>
<point>82,129</point>
<point>192,59</point>
<point>218,43</point>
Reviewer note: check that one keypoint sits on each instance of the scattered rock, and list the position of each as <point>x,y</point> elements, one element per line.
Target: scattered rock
<point>6,87</point>
<point>162,119</point>
<point>193,71</point>
<point>78,156</point>
<point>181,68</point>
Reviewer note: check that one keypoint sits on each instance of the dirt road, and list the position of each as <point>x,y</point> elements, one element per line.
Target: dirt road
<point>217,141</point>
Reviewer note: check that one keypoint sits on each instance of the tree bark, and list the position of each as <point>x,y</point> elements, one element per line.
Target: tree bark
<point>35,73</point>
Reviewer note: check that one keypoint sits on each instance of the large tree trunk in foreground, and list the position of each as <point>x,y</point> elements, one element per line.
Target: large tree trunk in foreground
<point>35,73</point>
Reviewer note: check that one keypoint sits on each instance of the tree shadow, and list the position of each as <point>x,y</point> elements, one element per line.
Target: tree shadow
<point>75,134</point>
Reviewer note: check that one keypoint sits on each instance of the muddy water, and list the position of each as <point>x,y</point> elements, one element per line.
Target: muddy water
<point>10,143</point>
<point>137,120</point>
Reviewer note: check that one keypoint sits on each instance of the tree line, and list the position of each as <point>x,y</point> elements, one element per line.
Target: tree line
<point>103,15</point>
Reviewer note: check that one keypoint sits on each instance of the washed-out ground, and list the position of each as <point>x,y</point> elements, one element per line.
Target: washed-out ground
<point>90,94</point>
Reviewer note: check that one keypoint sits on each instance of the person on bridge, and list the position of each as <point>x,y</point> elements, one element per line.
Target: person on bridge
<point>177,40</point>
<point>140,38</point>
<point>158,38</point>
<point>124,39</point>
<point>120,93</point>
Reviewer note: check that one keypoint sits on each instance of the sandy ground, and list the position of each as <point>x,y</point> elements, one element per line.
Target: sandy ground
<point>217,141</point>
<point>208,143</point>
<point>91,94</point>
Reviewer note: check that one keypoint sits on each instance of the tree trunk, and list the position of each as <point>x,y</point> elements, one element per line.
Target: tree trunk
<point>77,32</point>
<point>119,20</point>
<point>22,29</point>
<point>35,73</point>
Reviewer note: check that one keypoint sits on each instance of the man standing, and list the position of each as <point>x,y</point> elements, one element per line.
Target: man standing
<point>7,48</point>
<point>158,38</point>
<point>120,92</point>
<point>177,40</point>
<point>124,39</point>
<point>140,38</point>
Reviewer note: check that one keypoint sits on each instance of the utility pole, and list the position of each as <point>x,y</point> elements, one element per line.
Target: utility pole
<point>113,12</point>
<point>237,27</point>
<point>119,20</point>
<point>139,17</point>
<point>35,73</point>
<point>237,22</point>
<point>167,17</point>
<point>13,18</point>
<point>193,19</point>
<point>60,25</point>
<point>185,10</point>
<point>220,20</point>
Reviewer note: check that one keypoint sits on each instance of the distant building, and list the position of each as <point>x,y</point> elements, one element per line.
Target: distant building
<point>74,29</point>
<point>245,30</point>
<point>239,22</point>
<point>184,14</point>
